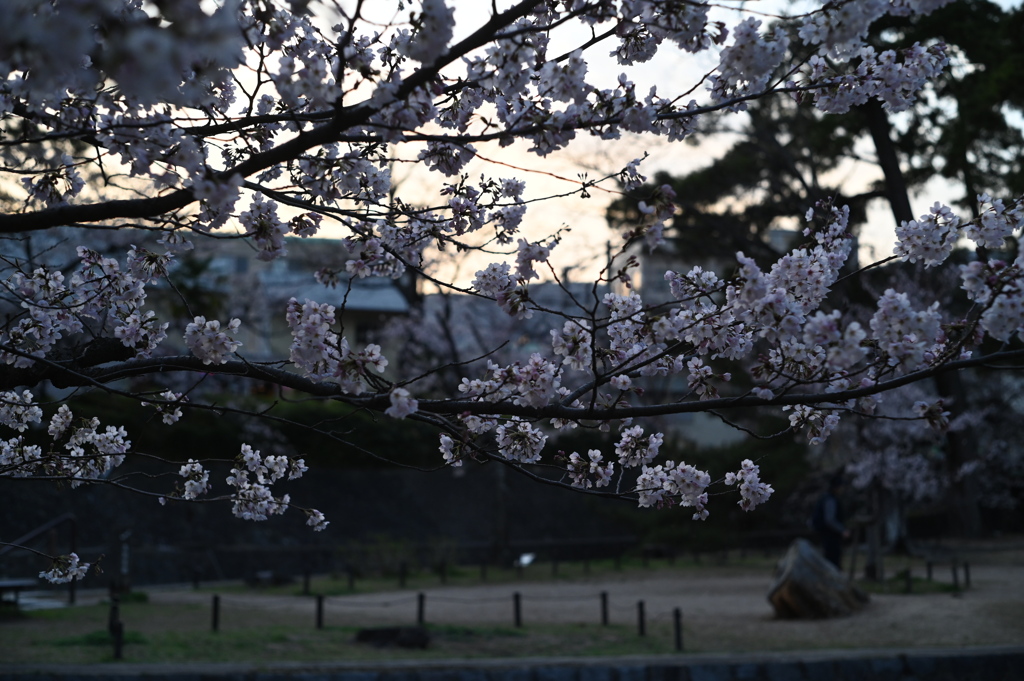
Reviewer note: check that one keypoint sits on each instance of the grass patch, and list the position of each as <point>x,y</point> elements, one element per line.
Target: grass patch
<point>159,633</point>
<point>98,638</point>
<point>454,632</point>
<point>134,597</point>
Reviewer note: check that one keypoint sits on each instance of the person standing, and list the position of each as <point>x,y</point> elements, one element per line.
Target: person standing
<point>828,522</point>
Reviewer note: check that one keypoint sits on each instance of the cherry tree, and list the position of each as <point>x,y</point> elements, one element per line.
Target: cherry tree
<point>187,122</point>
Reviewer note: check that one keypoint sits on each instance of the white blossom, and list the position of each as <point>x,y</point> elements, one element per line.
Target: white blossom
<point>207,342</point>
<point>65,569</point>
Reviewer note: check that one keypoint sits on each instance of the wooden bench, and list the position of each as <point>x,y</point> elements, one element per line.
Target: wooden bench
<point>15,586</point>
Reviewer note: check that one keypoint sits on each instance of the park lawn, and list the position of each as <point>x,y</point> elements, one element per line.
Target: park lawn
<point>161,633</point>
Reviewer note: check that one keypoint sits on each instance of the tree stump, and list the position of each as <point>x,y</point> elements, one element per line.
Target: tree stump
<point>809,587</point>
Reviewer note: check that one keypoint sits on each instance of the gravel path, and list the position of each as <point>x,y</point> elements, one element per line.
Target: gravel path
<point>721,611</point>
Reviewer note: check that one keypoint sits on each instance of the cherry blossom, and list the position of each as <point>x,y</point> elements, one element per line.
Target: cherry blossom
<point>207,342</point>
<point>65,569</point>
<point>180,124</point>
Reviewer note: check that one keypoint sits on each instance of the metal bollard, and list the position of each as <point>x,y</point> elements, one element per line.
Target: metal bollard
<point>421,608</point>
<point>604,608</point>
<point>319,611</point>
<point>117,632</point>
<point>215,622</point>
<point>115,613</point>
<point>517,608</point>
<point>677,625</point>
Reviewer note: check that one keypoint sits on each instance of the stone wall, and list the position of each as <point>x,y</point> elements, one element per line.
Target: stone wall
<point>977,664</point>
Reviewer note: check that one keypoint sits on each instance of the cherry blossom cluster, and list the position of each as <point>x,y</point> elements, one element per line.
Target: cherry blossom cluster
<point>209,343</point>
<point>840,30</point>
<point>91,454</point>
<point>402,404</point>
<point>99,296</point>
<point>748,63</point>
<point>519,441</point>
<point>322,355</point>
<point>877,76</point>
<point>266,229</point>
<point>88,453</point>
<point>575,343</point>
<point>197,480</point>
<point>753,492</point>
<point>65,569</point>
<point>671,484</point>
<point>107,38</point>
<point>55,187</point>
<point>253,499</point>
<point>633,449</point>
<point>930,239</point>
<point>590,472</point>
<point>170,408</point>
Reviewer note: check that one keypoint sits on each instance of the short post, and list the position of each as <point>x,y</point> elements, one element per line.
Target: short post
<point>117,633</point>
<point>956,576</point>
<point>115,612</point>
<point>604,608</point>
<point>215,623</point>
<point>928,570</point>
<point>403,573</point>
<point>517,609</point>
<point>641,625</point>
<point>319,611</point>
<point>305,583</point>
<point>421,607</point>
<point>677,626</point>
<point>967,575</point>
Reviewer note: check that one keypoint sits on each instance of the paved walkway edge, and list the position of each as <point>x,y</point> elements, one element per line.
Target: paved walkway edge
<point>966,664</point>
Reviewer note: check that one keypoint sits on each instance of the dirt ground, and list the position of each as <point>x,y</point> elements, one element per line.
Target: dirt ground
<point>723,610</point>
